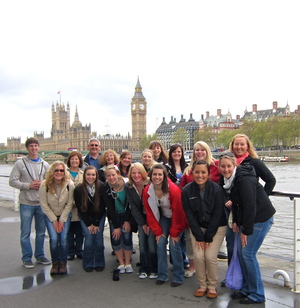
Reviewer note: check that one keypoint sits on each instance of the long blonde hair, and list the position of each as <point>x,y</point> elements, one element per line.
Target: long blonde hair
<point>209,158</point>
<point>143,172</point>
<point>49,181</point>
<point>251,150</point>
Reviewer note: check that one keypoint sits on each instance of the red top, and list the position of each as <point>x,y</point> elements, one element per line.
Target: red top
<point>214,175</point>
<point>179,222</point>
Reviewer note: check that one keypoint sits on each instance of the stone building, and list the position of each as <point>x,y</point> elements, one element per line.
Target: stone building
<point>65,136</point>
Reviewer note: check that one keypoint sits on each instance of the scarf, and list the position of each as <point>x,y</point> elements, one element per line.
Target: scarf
<point>91,190</point>
<point>228,183</point>
<point>239,160</point>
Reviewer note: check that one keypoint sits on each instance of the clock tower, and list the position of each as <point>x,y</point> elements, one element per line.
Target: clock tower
<point>138,114</point>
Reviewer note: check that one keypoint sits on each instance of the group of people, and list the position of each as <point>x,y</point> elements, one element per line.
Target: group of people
<point>190,207</point>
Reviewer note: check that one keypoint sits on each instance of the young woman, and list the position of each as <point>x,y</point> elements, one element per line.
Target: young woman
<point>125,163</point>
<point>245,154</point>
<point>90,204</point>
<point>252,219</point>
<point>109,157</point>
<point>138,179</point>
<point>75,235</point>
<point>160,155</point>
<point>56,197</point>
<point>165,217</point>
<point>201,152</point>
<point>147,160</point>
<point>176,163</point>
<point>203,203</point>
<point>119,215</point>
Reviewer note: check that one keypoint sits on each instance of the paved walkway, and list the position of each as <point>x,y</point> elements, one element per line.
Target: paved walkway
<point>20,287</point>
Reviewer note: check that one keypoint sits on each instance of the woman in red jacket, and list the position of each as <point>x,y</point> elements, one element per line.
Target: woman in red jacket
<point>165,217</point>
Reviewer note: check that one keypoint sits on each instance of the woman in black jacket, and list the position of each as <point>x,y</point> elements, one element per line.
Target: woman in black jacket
<point>252,219</point>
<point>91,210</point>
<point>203,202</point>
<point>138,179</point>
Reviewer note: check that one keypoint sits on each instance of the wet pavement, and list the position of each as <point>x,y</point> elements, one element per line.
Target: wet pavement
<point>21,287</point>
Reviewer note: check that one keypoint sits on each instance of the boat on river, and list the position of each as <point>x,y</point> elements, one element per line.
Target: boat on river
<point>279,159</point>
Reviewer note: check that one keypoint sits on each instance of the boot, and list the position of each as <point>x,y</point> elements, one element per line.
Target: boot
<point>62,268</point>
<point>55,268</point>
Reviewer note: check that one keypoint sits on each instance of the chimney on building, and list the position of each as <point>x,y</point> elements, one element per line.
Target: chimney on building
<point>219,112</point>
<point>275,105</point>
<point>238,117</point>
<point>207,114</point>
<point>254,108</point>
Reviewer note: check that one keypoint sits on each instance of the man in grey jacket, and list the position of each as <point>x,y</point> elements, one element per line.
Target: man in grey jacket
<point>27,175</point>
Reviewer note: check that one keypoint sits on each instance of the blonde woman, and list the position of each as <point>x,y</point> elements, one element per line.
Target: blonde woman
<point>56,197</point>
<point>147,159</point>
<point>109,157</point>
<point>138,179</point>
<point>119,216</point>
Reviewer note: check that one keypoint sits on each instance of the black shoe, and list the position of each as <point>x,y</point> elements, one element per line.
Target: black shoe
<point>223,283</point>
<point>113,253</point>
<point>99,268</point>
<point>88,269</point>
<point>70,258</point>
<point>238,295</point>
<point>116,275</point>
<point>249,301</point>
<point>160,282</point>
<point>138,264</point>
<point>133,251</point>
<point>175,284</point>
<point>79,256</point>
<point>222,256</point>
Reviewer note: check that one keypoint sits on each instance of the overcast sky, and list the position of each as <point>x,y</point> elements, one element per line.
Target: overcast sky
<point>190,56</point>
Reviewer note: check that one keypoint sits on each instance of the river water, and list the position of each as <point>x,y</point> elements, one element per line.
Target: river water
<point>279,242</point>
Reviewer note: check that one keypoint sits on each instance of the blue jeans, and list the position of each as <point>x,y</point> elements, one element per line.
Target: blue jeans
<point>253,286</point>
<point>178,269</point>
<point>125,240</point>
<point>58,241</point>
<point>75,238</point>
<point>93,252</point>
<point>27,212</point>
<point>148,254</point>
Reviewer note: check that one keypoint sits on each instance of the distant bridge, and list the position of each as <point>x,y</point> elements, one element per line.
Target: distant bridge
<point>43,154</point>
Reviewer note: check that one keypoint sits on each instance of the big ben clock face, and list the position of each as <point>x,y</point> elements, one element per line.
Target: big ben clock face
<point>133,107</point>
<point>142,106</point>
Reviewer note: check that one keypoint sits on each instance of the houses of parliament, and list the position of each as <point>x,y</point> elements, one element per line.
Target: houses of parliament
<point>76,136</point>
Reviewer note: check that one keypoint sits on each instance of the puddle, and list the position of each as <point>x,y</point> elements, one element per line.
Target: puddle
<point>22,284</point>
<point>10,219</point>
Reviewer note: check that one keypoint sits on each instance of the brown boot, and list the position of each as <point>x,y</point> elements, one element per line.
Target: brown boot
<point>62,268</point>
<point>55,268</point>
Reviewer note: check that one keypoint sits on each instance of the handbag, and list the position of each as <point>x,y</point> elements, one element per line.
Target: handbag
<point>234,276</point>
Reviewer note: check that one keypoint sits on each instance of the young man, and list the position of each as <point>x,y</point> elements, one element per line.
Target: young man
<point>27,175</point>
<point>93,157</point>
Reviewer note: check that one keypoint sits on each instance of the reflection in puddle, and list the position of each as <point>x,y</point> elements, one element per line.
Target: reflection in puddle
<point>21,284</point>
<point>10,219</point>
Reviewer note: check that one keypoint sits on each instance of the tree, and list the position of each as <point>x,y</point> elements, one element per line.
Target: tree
<point>180,136</point>
<point>224,137</point>
<point>207,135</point>
<point>145,141</point>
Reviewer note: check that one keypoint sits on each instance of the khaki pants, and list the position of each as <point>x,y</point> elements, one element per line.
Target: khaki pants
<point>206,263</point>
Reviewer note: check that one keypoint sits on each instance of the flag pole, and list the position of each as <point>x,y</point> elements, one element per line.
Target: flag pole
<point>59,96</point>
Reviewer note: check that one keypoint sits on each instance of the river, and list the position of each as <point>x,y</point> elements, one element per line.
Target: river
<point>279,242</point>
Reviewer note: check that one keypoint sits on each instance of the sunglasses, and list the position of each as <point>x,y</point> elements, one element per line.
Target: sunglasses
<point>59,170</point>
<point>94,145</point>
<point>228,154</point>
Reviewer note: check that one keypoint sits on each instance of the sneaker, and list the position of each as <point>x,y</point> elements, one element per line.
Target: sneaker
<point>43,260</point>
<point>128,269</point>
<point>222,256</point>
<point>28,264</point>
<point>153,276</point>
<point>121,269</point>
<point>143,275</point>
